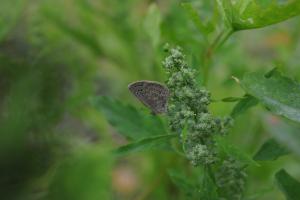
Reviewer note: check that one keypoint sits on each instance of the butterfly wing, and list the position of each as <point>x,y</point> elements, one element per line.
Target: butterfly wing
<point>152,94</point>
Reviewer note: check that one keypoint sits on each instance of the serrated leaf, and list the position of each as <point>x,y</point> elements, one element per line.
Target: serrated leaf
<point>152,24</point>
<point>280,94</point>
<point>144,144</point>
<point>270,150</point>
<point>234,152</point>
<point>249,14</point>
<point>285,133</point>
<point>289,186</point>
<point>129,122</point>
<point>243,105</point>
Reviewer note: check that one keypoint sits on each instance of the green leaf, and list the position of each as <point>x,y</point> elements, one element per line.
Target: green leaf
<point>234,152</point>
<point>85,38</point>
<point>285,133</point>
<point>83,175</point>
<point>208,189</point>
<point>243,105</point>
<point>280,94</point>
<point>194,16</point>
<point>183,183</point>
<point>270,150</point>
<point>259,194</point>
<point>152,24</point>
<point>288,185</point>
<point>129,122</point>
<point>145,144</point>
<point>225,9</point>
<point>231,99</point>
<point>9,15</point>
<point>249,14</point>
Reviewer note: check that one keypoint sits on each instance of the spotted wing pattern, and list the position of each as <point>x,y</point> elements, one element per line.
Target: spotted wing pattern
<point>153,94</point>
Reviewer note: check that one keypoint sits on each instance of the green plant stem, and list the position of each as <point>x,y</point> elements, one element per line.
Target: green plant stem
<point>216,44</point>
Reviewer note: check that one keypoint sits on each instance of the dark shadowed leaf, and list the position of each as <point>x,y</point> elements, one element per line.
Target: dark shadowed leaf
<point>280,94</point>
<point>288,185</point>
<point>231,99</point>
<point>243,105</point>
<point>183,183</point>
<point>129,122</point>
<point>150,143</point>
<point>270,150</point>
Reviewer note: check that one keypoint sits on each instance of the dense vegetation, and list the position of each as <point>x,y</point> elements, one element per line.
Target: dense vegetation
<point>71,130</point>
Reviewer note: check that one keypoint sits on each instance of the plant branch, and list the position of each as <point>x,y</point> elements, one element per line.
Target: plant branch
<point>215,45</point>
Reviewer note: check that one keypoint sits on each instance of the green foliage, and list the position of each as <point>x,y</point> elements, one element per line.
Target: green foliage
<point>243,105</point>
<point>207,187</point>
<point>9,16</point>
<point>204,28</point>
<point>288,185</point>
<point>150,143</point>
<point>130,122</point>
<point>285,133</point>
<point>280,94</point>
<point>188,187</point>
<point>152,24</point>
<point>270,150</point>
<point>240,15</point>
<point>56,55</point>
<point>226,148</point>
<point>70,183</point>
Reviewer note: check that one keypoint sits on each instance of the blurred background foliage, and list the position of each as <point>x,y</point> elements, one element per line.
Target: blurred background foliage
<point>56,55</point>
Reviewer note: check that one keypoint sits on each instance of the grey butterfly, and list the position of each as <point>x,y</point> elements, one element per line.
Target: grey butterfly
<point>152,94</point>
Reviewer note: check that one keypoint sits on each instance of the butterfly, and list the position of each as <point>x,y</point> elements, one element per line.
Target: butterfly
<point>152,94</point>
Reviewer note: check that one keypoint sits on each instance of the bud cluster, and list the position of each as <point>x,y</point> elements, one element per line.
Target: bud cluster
<point>231,179</point>
<point>188,107</point>
<point>189,116</point>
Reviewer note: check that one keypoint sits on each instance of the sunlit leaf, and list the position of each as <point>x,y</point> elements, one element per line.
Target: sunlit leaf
<point>249,14</point>
<point>152,24</point>
<point>280,94</point>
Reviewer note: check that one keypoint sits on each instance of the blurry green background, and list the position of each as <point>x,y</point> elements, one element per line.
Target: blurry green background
<point>57,54</point>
